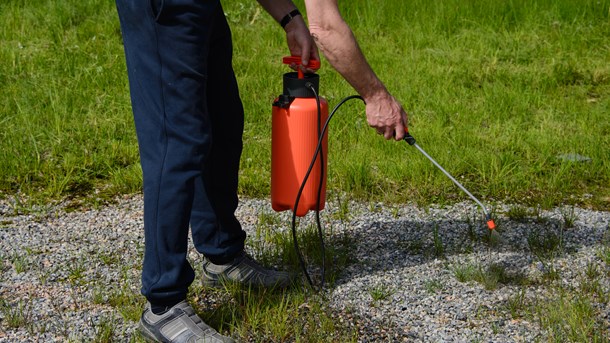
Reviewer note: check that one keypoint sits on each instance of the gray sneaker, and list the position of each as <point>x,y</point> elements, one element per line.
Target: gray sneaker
<point>246,271</point>
<point>180,324</point>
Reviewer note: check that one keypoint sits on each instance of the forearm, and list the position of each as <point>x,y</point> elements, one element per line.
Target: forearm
<point>341,49</point>
<point>277,8</point>
<point>336,40</point>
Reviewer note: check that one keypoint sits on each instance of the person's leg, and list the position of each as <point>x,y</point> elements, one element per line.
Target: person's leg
<point>218,234</point>
<point>166,46</point>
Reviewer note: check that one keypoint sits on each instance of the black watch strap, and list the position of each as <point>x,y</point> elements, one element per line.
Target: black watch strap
<point>288,17</point>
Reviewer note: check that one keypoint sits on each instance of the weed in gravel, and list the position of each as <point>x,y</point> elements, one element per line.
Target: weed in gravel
<point>271,247</point>
<point>76,272</point>
<point>342,213</point>
<point>268,219</point>
<point>569,217</point>
<point>16,315</point>
<point>570,318</point>
<point>412,247</point>
<point>43,275</point>
<point>433,286</point>
<point>492,238</point>
<point>20,263</point>
<point>2,262</point>
<point>266,235</point>
<point>471,229</point>
<point>606,237</point>
<point>517,305</point>
<point>381,292</point>
<point>374,207</point>
<point>137,338</point>
<point>604,254</point>
<point>99,295</point>
<point>439,248</point>
<point>518,213</point>
<point>109,258</point>
<point>395,211</point>
<point>104,330</point>
<point>495,327</point>
<point>261,315</point>
<point>590,283</point>
<point>464,272</point>
<point>490,277</point>
<point>591,271</point>
<point>545,245</point>
<point>592,287</point>
<point>128,302</point>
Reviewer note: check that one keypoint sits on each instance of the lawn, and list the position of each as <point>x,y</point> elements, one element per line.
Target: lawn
<point>511,98</point>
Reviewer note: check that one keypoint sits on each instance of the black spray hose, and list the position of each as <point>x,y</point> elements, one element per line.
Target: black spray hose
<point>318,151</point>
<point>408,138</point>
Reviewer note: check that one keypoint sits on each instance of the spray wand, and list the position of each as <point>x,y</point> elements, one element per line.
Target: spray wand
<point>411,141</point>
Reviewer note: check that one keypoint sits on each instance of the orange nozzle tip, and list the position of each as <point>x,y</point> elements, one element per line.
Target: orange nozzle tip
<point>491,225</point>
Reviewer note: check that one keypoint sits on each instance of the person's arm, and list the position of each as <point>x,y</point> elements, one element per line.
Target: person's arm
<point>300,42</point>
<point>338,44</point>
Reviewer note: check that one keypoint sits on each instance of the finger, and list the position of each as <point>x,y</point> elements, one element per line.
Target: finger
<point>305,51</point>
<point>315,54</point>
<point>399,132</point>
<point>389,133</point>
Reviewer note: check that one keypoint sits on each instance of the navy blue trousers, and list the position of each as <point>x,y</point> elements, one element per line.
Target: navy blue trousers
<point>189,123</point>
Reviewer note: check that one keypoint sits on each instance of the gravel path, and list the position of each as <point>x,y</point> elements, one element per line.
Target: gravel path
<point>59,271</point>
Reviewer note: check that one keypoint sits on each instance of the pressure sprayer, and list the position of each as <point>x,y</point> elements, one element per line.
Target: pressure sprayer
<point>299,143</point>
<point>296,128</point>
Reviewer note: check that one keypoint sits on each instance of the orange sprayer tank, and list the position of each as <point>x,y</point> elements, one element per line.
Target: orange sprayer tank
<point>295,135</point>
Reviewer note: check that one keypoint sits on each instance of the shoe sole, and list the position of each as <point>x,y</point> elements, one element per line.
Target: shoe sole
<point>145,334</point>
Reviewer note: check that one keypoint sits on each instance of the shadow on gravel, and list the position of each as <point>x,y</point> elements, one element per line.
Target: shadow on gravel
<point>382,246</point>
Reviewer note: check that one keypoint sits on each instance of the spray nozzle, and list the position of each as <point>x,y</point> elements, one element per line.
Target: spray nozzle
<point>490,222</point>
<point>313,64</point>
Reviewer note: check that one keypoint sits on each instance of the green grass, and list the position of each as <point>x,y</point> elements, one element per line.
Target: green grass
<point>268,316</point>
<point>571,318</point>
<point>518,213</point>
<point>490,277</point>
<point>381,292</point>
<point>433,286</point>
<point>566,317</point>
<point>495,91</point>
<point>104,330</point>
<point>16,315</point>
<point>274,245</point>
<point>20,263</point>
<point>294,315</point>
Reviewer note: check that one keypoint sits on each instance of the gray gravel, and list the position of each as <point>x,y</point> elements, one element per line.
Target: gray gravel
<point>59,268</point>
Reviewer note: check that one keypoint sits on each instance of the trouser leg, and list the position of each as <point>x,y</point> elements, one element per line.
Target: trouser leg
<point>167,46</point>
<point>217,234</point>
